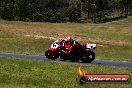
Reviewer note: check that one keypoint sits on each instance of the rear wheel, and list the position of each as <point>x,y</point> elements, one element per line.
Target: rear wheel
<point>89,57</point>
<point>50,55</point>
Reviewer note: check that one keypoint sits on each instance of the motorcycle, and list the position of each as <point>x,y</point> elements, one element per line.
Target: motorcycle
<point>73,52</point>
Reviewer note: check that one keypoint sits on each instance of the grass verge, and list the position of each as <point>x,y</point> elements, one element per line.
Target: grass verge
<point>16,73</point>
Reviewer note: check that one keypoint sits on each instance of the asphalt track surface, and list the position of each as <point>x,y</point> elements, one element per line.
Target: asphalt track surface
<point>95,62</point>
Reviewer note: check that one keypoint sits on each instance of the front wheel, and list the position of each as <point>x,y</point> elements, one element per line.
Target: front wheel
<point>88,57</point>
<point>50,55</point>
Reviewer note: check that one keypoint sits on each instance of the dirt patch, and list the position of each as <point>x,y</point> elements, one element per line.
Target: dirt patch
<point>100,41</point>
<point>109,42</point>
<point>38,37</point>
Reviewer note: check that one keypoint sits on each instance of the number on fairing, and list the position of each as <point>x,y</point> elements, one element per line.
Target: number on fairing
<point>54,45</point>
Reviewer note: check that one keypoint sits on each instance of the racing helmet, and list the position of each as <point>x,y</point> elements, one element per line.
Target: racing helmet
<point>68,38</point>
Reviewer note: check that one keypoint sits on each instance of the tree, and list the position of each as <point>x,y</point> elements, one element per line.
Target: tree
<point>6,11</point>
<point>74,10</point>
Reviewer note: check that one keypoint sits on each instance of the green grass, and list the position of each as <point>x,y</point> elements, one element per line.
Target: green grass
<point>16,73</point>
<point>114,40</point>
<point>24,45</point>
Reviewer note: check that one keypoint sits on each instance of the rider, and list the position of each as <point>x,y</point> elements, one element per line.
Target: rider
<point>69,40</point>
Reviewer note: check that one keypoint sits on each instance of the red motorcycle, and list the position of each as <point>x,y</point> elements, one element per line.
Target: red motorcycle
<point>73,52</point>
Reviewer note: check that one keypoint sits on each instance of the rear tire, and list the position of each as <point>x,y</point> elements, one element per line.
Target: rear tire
<point>50,55</point>
<point>89,57</point>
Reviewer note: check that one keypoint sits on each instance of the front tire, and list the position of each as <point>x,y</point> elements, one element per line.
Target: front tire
<point>88,57</point>
<point>50,55</point>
